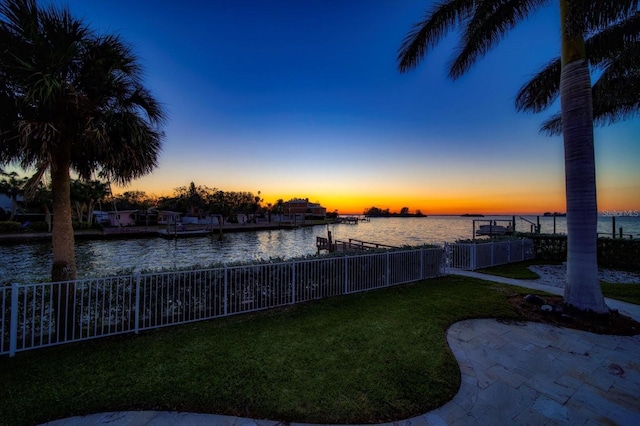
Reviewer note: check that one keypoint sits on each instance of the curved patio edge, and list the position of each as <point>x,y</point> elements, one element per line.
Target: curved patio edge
<point>511,372</point>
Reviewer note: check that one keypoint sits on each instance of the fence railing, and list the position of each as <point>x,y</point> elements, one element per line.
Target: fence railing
<point>472,256</point>
<point>47,314</point>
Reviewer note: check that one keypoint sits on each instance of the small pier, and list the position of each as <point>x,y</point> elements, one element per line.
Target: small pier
<point>353,220</point>
<point>352,245</point>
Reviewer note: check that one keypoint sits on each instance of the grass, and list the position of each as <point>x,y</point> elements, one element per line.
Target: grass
<point>364,358</point>
<point>624,292</point>
<point>518,270</point>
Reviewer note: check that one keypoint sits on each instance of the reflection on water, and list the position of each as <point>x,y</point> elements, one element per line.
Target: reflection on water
<point>29,262</point>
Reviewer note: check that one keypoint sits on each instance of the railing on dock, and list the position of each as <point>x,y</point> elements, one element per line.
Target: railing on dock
<point>353,220</point>
<point>351,245</point>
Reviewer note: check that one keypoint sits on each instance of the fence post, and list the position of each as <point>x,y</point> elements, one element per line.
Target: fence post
<point>421,263</point>
<point>473,257</point>
<point>137,316</point>
<point>13,327</point>
<point>447,257</point>
<point>293,282</point>
<point>226,293</point>
<point>388,274</point>
<point>346,275</point>
<point>493,250</point>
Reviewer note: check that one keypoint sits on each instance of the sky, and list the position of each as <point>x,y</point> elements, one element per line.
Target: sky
<point>304,99</point>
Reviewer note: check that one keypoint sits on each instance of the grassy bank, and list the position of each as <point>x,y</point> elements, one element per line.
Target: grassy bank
<point>362,358</point>
<point>624,292</point>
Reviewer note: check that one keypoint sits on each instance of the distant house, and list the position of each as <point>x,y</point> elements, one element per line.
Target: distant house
<point>166,217</point>
<point>5,203</point>
<point>101,217</point>
<point>123,218</point>
<point>299,210</point>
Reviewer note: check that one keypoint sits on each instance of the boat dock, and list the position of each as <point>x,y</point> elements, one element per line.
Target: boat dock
<point>352,220</point>
<point>341,246</point>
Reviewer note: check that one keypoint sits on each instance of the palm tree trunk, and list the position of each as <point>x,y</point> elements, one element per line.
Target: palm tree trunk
<point>64,266</point>
<point>582,289</point>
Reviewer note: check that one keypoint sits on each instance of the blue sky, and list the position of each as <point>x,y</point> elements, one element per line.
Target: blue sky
<point>304,99</point>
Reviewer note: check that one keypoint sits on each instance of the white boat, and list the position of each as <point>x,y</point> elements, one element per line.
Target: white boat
<point>494,230</point>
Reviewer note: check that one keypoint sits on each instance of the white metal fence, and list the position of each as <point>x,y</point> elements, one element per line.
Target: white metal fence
<point>46,314</point>
<point>472,256</point>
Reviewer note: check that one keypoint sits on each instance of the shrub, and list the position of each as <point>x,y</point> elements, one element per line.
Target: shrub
<point>80,225</point>
<point>619,254</point>
<point>7,227</point>
<point>612,253</point>
<point>38,227</point>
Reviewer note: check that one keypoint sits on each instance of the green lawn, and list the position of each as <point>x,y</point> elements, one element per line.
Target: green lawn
<point>365,358</point>
<point>518,270</point>
<point>624,292</point>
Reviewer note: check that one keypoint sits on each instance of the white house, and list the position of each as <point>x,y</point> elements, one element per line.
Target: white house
<point>123,218</point>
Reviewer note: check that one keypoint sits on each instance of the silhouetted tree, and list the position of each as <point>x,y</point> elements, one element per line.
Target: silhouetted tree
<point>71,100</point>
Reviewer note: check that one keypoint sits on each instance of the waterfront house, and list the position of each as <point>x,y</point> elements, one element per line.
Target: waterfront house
<point>166,217</point>
<point>298,206</point>
<point>298,210</point>
<point>123,218</point>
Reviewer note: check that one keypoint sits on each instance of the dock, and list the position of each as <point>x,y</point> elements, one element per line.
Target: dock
<point>352,220</point>
<point>331,246</point>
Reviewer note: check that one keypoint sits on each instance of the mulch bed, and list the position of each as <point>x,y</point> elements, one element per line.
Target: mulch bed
<point>566,316</point>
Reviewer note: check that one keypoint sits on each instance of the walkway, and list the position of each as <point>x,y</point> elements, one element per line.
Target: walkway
<point>511,373</point>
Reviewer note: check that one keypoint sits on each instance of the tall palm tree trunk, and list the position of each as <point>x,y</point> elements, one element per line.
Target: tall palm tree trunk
<point>582,288</point>
<point>64,266</point>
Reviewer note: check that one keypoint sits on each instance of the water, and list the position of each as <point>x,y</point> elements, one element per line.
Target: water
<point>32,261</point>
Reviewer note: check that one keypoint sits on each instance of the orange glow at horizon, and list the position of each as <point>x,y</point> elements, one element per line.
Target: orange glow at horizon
<point>451,198</point>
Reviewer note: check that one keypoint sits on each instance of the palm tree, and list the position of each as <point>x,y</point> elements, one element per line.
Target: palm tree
<point>615,52</point>
<point>85,195</point>
<point>483,24</point>
<point>71,100</point>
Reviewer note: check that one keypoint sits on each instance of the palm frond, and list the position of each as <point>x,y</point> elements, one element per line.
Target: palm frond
<point>542,90</point>
<point>552,126</point>
<point>488,24</point>
<point>616,93</point>
<point>614,47</point>
<point>602,46</point>
<point>33,183</point>
<point>427,33</point>
<point>600,14</point>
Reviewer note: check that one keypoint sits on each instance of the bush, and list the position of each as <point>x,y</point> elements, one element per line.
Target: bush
<point>80,225</point>
<point>619,254</point>
<point>7,227</point>
<point>612,253</point>
<point>38,227</point>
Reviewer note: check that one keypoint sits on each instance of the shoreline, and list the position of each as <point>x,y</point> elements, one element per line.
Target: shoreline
<point>136,232</point>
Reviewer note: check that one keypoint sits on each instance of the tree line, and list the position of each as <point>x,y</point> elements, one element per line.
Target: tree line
<point>86,196</point>
<point>404,212</point>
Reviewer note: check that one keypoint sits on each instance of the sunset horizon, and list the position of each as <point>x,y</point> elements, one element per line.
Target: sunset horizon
<point>305,100</point>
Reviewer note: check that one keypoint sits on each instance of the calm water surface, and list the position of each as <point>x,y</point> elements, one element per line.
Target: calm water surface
<point>32,261</point>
